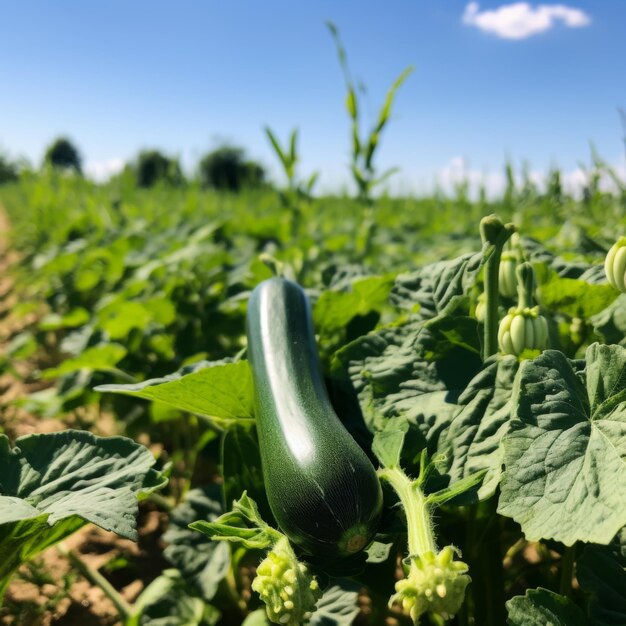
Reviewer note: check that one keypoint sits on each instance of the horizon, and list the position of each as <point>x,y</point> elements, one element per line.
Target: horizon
<point>493,82</point>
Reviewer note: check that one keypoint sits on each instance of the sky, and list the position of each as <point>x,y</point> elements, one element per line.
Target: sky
<point>491,81</point>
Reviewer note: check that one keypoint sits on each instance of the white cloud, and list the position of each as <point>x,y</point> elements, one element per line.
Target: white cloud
<point>521,20</point>
<point>101,171</point>
<point>458,171</point>
<point>574,182</point>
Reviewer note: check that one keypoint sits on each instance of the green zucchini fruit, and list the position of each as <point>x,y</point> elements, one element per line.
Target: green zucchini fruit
<point>321,487</point>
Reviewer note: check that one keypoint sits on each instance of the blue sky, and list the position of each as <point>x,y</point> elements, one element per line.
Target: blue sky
<point>492,80</point>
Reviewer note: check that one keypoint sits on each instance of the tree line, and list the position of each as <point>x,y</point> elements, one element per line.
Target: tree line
<point>227,168</point>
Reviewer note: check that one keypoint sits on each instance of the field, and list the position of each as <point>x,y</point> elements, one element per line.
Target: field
<point>127,404</point>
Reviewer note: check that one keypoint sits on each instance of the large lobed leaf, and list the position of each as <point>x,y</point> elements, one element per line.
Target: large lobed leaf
<point>434,288</point>
<point>338,605</point>
<point>415,369</point>
<point>611,322</point>
<point>52,484</point>
<point>565,455</point>
<point>389,376</point>
<point>472,442</point>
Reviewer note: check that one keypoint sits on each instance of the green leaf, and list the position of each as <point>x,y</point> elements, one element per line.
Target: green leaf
<point>387,443</point>
<point>359,177</point>
<point>284,159</point>
<point>117,321</point>
<point>52,484</point>
<point>168,601</point>
<point>335,309</point>
<point>383,176</point>
<point>241,467</point>
<point>449,331</point>
<point>575,297</point>
<point>458,488</point>
<point>241,525</point>
<point>22,346</point>
<point>351,104</point>
<point>611,323</point>
<point>21,540</point>
<point>385,111</point>
<point>204,563</point>
<point>54,321</point>
<point>102,358</point>
<point>383,116</point>
<point>473,441</point>
<point>310,183</point>
<point>378,552</point>
<point>221,392</point>
<point>390,378</point>
<point>338,605</point>
<point>257,618</point>
<point>403,370</point>
<point>293,150</point>
<point>540,607</point>
<point>565,455</point>
<point>356,149</point>
<point>434,288</point>
<point>601,572</point>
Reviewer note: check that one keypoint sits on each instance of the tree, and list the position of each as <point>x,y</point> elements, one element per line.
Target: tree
<point>8,170</point>
<point>227,169</point>
<point>153,167</point>
<point>63,154</point>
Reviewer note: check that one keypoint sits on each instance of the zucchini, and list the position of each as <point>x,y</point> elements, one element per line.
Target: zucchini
<point>321,486</point>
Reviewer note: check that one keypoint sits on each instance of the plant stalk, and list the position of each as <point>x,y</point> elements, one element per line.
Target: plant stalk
<point>124,609</point>
<point>495,233</point>
<point>485,562</point>
<point>421,536</point>
<point>525,285</point>
<point>567,571</point>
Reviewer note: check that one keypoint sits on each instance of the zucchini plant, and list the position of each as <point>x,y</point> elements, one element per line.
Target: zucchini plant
<point>447,426</point>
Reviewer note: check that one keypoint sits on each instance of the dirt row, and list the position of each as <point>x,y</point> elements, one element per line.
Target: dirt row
<point>48,590</point>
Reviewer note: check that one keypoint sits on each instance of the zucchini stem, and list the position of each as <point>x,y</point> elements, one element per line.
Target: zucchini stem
<point>421,536</point>
<point>435,582</point>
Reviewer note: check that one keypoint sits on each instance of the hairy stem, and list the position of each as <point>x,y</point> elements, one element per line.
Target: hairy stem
<point>421,537</point>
